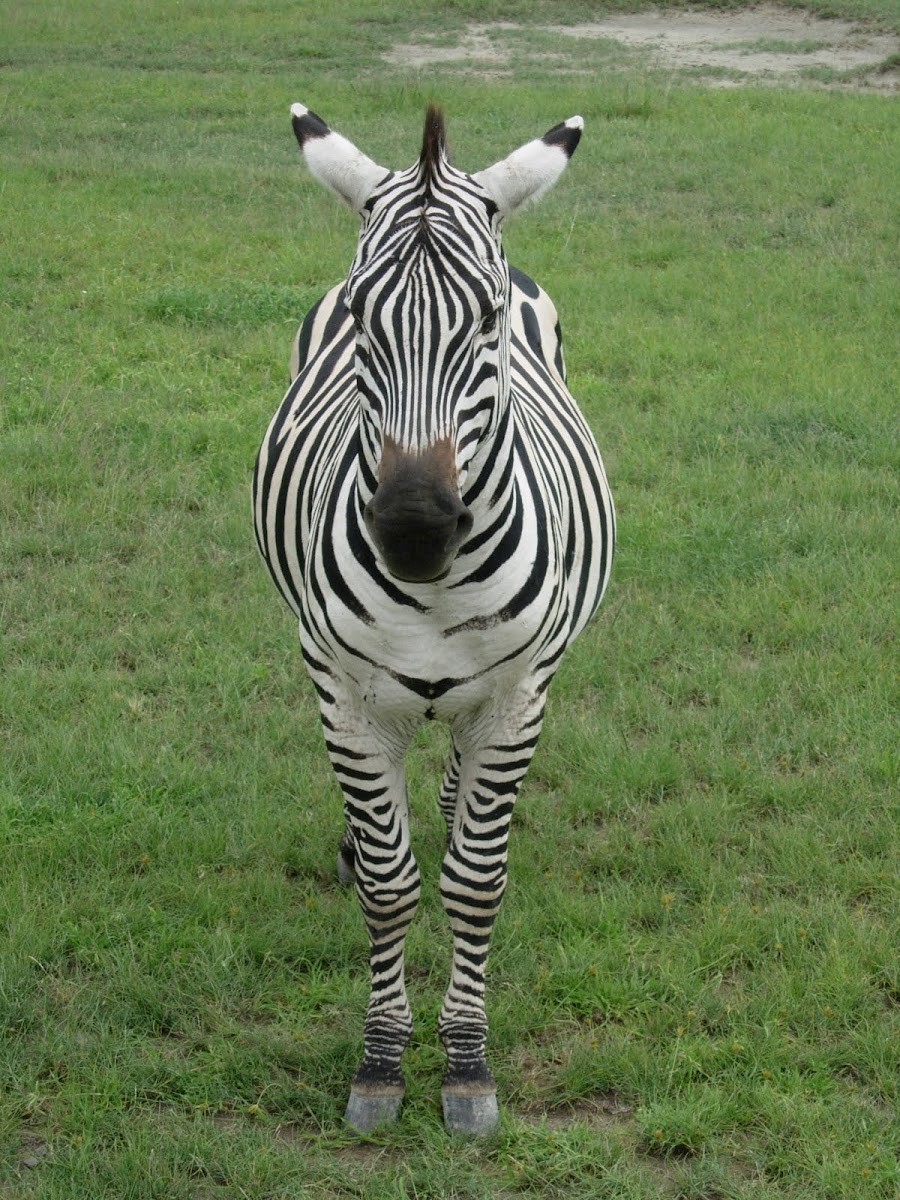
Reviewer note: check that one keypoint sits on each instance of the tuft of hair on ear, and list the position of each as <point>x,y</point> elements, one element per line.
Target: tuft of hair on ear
<point>434,140</point>
<point>566,135</point>
<point>307,124</point>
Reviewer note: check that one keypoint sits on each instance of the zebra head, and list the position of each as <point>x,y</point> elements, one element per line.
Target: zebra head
<point>429,295</point>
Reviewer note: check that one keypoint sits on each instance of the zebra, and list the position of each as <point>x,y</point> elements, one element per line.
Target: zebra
<point>431,504</point>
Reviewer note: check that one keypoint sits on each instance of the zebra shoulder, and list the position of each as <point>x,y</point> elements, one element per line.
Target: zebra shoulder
<point>324,322</point>
<point>535,321</point>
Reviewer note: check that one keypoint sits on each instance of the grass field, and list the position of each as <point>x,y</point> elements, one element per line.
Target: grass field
<point>694,987</point>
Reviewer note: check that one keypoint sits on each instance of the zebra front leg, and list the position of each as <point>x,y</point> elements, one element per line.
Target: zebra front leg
<point>387,885</point>
<point>450,790</point>
<point>473,880</point>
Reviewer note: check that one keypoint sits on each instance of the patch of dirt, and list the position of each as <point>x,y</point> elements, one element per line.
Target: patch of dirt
<point>477,45</point>
<point>34,1149</point>
<point>764,44</point>
<point>597,1111</point>
<point>296,1138</point>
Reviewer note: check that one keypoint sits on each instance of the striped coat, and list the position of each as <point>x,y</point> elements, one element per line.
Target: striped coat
<point>432,505</point>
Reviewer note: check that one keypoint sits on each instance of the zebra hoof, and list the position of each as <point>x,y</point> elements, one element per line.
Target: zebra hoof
<point>473,1115</point>
<point>345,872</point>
<point>366,1110</point>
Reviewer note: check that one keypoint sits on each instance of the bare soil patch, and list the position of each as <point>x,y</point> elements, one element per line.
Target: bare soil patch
<point>764,44</point>
<point>598,1111</point>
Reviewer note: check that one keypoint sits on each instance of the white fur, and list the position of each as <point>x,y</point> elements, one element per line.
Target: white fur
<point>337,163</point>
<point>526,174</point>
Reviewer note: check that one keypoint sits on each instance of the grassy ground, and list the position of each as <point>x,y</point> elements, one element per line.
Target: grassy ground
<point>694,985</point>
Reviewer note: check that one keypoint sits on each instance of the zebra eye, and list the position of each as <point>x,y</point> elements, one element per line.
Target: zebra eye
<point>489,324</point>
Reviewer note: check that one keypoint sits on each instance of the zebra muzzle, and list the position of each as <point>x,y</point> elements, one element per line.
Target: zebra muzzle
<point>416,517</point>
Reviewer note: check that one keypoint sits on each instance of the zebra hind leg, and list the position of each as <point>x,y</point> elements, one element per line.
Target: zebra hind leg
<point>346,860</point>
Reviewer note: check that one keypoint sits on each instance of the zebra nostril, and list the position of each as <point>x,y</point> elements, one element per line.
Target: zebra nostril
<point>464,524</point>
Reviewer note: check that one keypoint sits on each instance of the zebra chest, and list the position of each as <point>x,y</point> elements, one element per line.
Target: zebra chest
<point>437,660</point>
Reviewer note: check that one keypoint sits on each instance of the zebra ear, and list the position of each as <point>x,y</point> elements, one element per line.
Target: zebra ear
<point>333,160</point>
<point>532,169</point>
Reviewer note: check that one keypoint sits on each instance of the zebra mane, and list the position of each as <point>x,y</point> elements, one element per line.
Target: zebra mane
<point>434,143</point>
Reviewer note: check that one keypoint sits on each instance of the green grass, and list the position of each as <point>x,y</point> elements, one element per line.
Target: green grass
<point>694,986</point>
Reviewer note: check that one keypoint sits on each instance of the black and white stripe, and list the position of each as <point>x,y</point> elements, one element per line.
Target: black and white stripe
<point>432,505</point>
